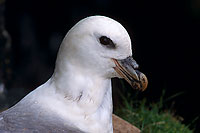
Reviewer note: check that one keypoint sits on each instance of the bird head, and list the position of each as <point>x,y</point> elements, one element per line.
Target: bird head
<point>101,46</point>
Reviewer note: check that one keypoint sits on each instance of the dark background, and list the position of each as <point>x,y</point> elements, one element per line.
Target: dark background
<point>165,36</point>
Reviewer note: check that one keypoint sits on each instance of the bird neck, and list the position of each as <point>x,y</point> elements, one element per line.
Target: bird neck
<point>83,97</point>
<point>89,91</point>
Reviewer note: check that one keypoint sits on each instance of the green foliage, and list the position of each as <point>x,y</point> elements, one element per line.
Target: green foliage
<point>151,118</point>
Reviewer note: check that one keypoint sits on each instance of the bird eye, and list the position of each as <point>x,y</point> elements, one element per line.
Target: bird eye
<point>107,42</point>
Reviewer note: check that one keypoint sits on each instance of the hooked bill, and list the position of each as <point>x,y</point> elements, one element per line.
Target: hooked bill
<point>126,68</point>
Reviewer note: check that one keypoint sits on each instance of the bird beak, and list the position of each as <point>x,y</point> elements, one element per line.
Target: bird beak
<point>126,68</point>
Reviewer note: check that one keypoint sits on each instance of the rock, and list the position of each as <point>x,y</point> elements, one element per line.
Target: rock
<point>122,126</point>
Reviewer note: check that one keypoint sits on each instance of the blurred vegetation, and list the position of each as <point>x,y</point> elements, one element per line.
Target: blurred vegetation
<point>152,117</point>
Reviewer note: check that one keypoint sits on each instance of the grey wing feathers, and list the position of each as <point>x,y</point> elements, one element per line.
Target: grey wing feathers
<point>24,120</point>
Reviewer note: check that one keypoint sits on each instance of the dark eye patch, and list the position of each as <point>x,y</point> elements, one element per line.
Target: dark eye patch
<point>107,42</point>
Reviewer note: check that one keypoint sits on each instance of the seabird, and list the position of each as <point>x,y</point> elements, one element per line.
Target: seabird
<point>78,96</point>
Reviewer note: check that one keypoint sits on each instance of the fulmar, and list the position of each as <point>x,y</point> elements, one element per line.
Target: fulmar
<point>78,96</point>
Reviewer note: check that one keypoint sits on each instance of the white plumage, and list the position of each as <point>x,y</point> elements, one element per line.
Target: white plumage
<point>79,93</point>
